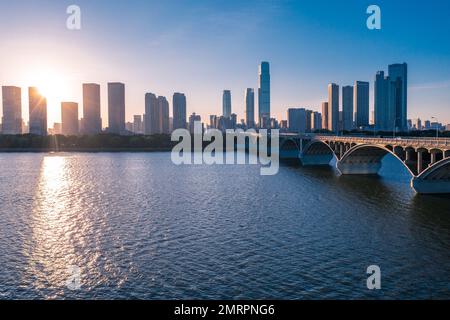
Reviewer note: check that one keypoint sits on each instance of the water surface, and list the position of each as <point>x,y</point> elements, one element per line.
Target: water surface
<point>138,226</point>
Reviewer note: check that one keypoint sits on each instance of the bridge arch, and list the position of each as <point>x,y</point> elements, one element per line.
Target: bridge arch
<point>317,152</point>
<point>289,149</point>
<point>366,159</point>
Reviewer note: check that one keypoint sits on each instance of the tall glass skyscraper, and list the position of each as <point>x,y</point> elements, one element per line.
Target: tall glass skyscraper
<point>250,107</point>
<point>264,95</point>
<point>391,99</point>
<point>37,112</point>
<point>347,107</point>
<point>12,110</point>
<point>163,106</point>
<point>69,118</point>
<point>116,107</point>
<point>333,107</point>
<point>152,114</point>
<point>179,111</point>
<point>361,102</point>
<point>226,104</point>
<point>92,121</point>
<point>398,73</point>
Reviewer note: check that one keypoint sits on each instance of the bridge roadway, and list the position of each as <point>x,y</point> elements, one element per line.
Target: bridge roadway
<point>426,159</point>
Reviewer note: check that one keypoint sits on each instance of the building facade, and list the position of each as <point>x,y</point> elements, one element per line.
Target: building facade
<point>361,102</point>
<point>264,95</point>
<point>250,108</point>
<point>12,110</point>
<point>92,121</point>
<point>37,112</point>
<point>179,111</point>
<point>69,118</point>
<point>347,108</point>
<point>116,107</point>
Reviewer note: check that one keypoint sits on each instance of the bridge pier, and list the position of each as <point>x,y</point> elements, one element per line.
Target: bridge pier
<point>419,161</point>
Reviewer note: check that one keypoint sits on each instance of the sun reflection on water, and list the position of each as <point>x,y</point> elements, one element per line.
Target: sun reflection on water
<point>53,248</point>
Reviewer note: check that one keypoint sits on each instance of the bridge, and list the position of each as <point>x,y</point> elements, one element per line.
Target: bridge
<point>426,159</point>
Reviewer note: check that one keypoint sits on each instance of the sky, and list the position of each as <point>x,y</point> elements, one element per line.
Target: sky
<point>201,47</point>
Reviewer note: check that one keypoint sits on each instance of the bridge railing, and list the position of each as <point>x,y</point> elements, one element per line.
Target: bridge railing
<point>413,142</point>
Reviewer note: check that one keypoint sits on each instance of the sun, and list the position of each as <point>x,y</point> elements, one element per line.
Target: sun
<point>52,86</point>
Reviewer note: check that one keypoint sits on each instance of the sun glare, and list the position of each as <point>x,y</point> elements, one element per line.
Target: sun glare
<point>54,87</point>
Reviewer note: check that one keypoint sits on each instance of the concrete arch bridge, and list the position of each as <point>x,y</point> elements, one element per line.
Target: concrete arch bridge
<point>426,159</point>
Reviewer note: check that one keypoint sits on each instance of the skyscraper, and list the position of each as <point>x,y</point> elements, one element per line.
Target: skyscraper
<point>325,115</point>
<point>152,114</point>
<point>264,95</point>
<point>179,111</point>
<point>384,117</point>
<point>297,120</point>
<point>137,124</point>
<point>226,103</point>
<point>12,110</point>
<point>37,112</point>
<point>250,107</point>
<point>398,73</point>
<point>163,106</point>
<point>69,118</point>
<point>391,99</point>
<point>333,107</point>
<point>316,121</point>
<point>361,101</point>
<point>116,107</point>
<point>92,121</point>
<point>193,118</point>
<point>347,107</point>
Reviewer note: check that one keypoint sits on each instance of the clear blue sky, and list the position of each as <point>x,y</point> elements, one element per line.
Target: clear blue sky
<point>203,47</point>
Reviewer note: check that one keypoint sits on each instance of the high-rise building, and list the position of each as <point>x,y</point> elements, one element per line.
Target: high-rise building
<point>264,95</point>
<point>69,118</point>
<point>297,120</point>
<point>361,101</point>
<point>250,107</point>
<point>137,124</point>
<point>347,108</point>
<point>325,115</point>
<point>163,106</point>
<point>116,107</point>
<point>226,103</point>
<point>152,114</point>
<point>418,124</point>
<point>92,121</point>
<point>391,104</point>
<point>384,116</point>
<point>179,111</point>
<point>333,107</point>
<point>316,121</point>
<point>12,110</point>
<point>192,119</point>
<point>398,74</point>
<point>37,112</point>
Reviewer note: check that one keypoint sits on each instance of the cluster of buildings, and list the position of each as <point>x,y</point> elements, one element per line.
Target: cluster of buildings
<point>351,110</point>
<point>228,120</point>
<point>155,120</point>
<point>346,110</point>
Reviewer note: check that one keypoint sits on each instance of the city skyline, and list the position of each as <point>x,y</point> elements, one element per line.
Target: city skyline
<point>227,59</point>
<point>348,111</point>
